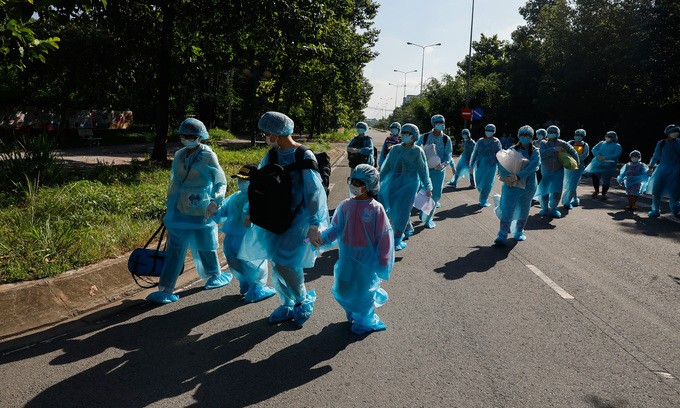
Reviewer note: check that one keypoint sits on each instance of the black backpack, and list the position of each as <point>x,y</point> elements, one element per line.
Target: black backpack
<point>270,193</point>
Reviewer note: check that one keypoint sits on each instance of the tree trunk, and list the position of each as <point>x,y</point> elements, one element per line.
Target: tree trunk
<point>160,151</point>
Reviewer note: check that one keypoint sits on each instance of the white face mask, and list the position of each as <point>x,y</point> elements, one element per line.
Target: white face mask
<point>488,134</point>
<point>674,135</point>
<point>355,191</point>
<point>635,159</point>
<point>190,144</point>
<point>608,139</point>
<point>271,144</point>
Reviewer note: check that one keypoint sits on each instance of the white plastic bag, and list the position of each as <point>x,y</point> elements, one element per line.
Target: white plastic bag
<point>423,202</point>
<point>513,161</point>
<point>431,154</point>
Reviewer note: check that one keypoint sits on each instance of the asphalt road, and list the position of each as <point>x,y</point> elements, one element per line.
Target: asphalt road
<point>582,314</point>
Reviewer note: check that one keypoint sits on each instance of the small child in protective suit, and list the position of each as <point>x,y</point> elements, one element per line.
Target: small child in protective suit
<point>634,177</point>
<point>366,250</point>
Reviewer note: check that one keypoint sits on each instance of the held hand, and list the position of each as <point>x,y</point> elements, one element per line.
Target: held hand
<point>428,193</point>
<point>314,236</point>
<point>352,150</point>
<point>512,178</point>
<point>210,211</point>
<point>600,158</point>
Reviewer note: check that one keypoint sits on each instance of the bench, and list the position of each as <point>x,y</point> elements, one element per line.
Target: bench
<point>87,135</point>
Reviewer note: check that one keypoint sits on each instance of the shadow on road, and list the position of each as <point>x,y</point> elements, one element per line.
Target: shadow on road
<point>460,211</point>
<point>482,259</point>
<point>644,225</point>
<point>323,266</point>
<point>538,222</point>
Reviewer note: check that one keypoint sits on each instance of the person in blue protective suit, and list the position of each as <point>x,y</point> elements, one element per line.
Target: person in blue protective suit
<point>251,276</point>
<point>515,199</point>
<point>665,180</point>
<point>572,177</point>
<point>603,166</point>
<point>634,177</point>
<point>549,190</point>
<point>361,228</point>
<point>506,141</point>
<point>404,170</point>
<point>197,188</point>
<point>484,163</point>
<point>463,169</point>
<point>441,143</point>
<point>290,251</point>
<point>360,148</point>
<point>393,138</point>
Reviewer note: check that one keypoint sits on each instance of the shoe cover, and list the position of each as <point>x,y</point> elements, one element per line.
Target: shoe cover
<point>303,311</point>
<point>362,326</point>
<point>555,214</point>
<point>501,240</point>
<point>568,206</point>
<point>219,280</point>
<point>576,202</point>
<point>519,236</point>
<point>243,287</point>
<point>380,297</point>
<point>281,314</point>
<point>438,205</point>
<point>257,293</point>
<point>162,297</point>
<point>430,224</point>
<point>654,213</point>
<point>484,204</point>
<point>452,184</point>
<point>399,245</point>
<point>543,212</point>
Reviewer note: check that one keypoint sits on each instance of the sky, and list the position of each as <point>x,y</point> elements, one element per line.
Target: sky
<point>427,22</point>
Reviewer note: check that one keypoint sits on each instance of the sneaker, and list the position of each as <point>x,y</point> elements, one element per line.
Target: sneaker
<point>654,213</point>
<point>162,297</point>
<point>281,314</point>
<point>219,280</point>
<point>430,224</point>
<point>472,185</point>
<point>555,214</point>
<point>519,236</point>
<point>595,194</point>
<point>501,240</point>
<point>603,198</point>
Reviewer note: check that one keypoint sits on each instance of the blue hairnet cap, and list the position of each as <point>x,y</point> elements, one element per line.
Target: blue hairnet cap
<point>580,132</point>
<point>395,125</point>
<point>490,128</point>
<point>369,175</point>
<point>671,129</point>
<point>554,129</point>
<point>361,125</point>
<point>635,153</point>
<point>612,134</point>
<point>524,130</point>
<point>541,132</point>
<point>465,132</point>
<point>413,129</point>
<point>192,126</point>
<point>276,123</point>
<point>437,118</point>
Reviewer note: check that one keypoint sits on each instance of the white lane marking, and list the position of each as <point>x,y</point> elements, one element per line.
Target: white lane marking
<point>550,283</point>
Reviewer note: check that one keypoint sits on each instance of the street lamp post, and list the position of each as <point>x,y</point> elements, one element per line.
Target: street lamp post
<point>422,65</point>
<point>404,72</point>
<point>396,89</point>
<point>467,89</point>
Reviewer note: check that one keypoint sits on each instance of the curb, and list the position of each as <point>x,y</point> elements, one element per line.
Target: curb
<point>32,307</point>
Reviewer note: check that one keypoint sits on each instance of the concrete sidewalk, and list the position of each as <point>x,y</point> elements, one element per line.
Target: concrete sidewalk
<point>33,308</point>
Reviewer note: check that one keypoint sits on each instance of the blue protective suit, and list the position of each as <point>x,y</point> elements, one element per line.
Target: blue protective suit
<point>485,165</point>
<point>605,169</point>
<point>390,142</point>
<point>404,170</point>
<point>187,202</point>
<point>634,177</point>
<point>665,181</point>
<point>463,167</point>
<point>549,190</point>
<point>365,145</point>
<point>573,177</point>
<point>515,202</point>
<point>362,231</point>
<point>288,252</point>
<point>251,276</point>
<point>444,150</point>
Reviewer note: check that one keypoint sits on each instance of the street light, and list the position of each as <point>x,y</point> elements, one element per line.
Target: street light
<point>396,89</point>
<point>467,89</point>
<point>383,104</point>
<point>404,72</point>
<point>422,66</point>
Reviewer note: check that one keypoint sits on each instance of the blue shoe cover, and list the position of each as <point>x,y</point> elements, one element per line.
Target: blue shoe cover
<point>408,233</point>
<point>451,183</point>
<point>303,311</point>
<point>162,297</point>
<point>568,206</point>
<point>399,245</point>
<point>484,204</point>
<point>219,280</point>
<point>543,212</point>
<point>380,297</point>
<point>555,214</point>
<point>430,224</point>
<point>243,287</point>
<point>501,240</point>
<point>367,327</point>
<point>258,293</point>
<point>576,202</point>
<point>519,236</point>
<point>281,314</point>
<point>349,316</point>
<point>654,214</point>
<point>439,205</point>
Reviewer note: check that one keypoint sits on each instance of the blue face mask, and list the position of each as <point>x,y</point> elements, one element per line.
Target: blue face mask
<point>405,138</point>
<point>361,131</point>
<point>525,140</point>
<point>539,136</point>
<point>394,132</point>
<point>439,127</point>
<point>190,144</point>
<point>578,138</point>
<point>243,185</point>
<point>488,133</point>
<point>552,135</point>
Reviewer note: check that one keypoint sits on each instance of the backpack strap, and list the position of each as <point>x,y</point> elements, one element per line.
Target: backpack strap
<point>273,156</point>
<point>426,135</point>
<point>300,162</point>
